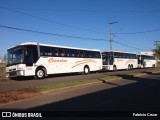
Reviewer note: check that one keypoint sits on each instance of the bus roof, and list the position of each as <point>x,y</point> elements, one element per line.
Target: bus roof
<point>35,43</point>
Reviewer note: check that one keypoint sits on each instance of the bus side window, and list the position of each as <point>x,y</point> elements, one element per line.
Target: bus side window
<point>87,54</point>
<point>67,52</point>
<point>98,55</point>
<point>83,54</point>
<point>56,52</point>
<point>61,52</point>
<point>45,51</point>
<point>42,50</point>
<point>78,53</point>
<point>72,52</point>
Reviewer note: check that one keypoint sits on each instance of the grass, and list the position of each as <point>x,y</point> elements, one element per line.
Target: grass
<point>73,83</point>
<point>154,70</point>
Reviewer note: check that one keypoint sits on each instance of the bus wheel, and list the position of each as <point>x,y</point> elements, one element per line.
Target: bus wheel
<point>40,74</point>
<point>86,70</point>
<point>154,65</point>
<point>129,67</point>
<point>114,68</point>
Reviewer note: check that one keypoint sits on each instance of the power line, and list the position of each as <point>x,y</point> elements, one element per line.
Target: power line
<point>127,45</point>
<point>130,42</point>
<point>157,43</point>
<point>53,34</point>
<point>52,21</point>
<point>72,26</point>
<point>66,36</point>
<point>154,30</point>
<point>78,10</point>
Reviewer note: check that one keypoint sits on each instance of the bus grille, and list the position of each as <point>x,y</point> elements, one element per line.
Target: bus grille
<point>13,73</point>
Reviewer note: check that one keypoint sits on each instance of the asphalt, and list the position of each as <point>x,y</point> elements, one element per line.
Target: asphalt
<point>59,78</point>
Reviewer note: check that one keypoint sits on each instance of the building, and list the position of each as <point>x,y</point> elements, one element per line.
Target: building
<point>147,53</point>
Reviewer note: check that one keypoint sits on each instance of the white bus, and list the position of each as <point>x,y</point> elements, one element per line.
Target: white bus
<point>145,61</point>
<point>40,60</point>
<point>116,60</point>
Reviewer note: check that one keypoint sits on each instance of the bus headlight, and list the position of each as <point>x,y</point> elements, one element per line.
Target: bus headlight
<point>20,73</point>
<point>20,68</point>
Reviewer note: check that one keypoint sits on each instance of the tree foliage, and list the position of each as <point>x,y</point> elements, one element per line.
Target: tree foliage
<point>157,51</point>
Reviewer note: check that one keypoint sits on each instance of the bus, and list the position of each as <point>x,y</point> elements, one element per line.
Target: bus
<point>145,61</point>
<point>40,60</point>
<point>117,60</point>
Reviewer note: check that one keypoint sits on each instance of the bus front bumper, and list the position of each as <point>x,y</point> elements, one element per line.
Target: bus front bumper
<point>15,73</point>
<point>106,67</point>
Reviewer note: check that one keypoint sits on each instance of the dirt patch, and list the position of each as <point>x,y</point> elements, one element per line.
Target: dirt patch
<point>2,71</point>
<point>19,94</point>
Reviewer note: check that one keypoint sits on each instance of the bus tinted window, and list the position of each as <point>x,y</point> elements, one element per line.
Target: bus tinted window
<point>45,51</point>
<point>61,52</point>
<point>82,53</point>
<point>125,55</point>
<point>65,52</point>
<point>72,52</point>
<point>148,57</point>
<point>55,52</point>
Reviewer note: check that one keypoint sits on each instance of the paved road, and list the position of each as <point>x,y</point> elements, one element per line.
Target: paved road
<point>30,82</point>
<point>137,93</point>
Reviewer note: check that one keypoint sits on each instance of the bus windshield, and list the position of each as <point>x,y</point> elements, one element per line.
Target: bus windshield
<point>15,56</point>
<point>107,58</point>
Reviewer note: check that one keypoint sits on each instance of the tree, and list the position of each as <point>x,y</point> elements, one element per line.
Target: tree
<point>4,58</point>
<point>157,51</point>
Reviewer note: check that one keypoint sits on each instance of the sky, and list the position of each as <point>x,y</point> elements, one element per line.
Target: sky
<point>86,19</point>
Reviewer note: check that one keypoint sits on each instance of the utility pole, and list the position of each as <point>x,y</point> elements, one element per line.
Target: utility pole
<point>111,23</point>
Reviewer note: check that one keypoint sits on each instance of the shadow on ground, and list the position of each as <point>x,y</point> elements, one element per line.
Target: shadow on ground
<point>143,95</point>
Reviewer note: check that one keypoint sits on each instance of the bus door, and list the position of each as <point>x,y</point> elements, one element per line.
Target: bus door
<point>111,60</point>
<point>29,57</point>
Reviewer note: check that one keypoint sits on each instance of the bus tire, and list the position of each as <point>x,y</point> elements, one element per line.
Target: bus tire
<point>86,70</point>
<point>40,73</point>
<point>114,68</point>
<point>129,67</point>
